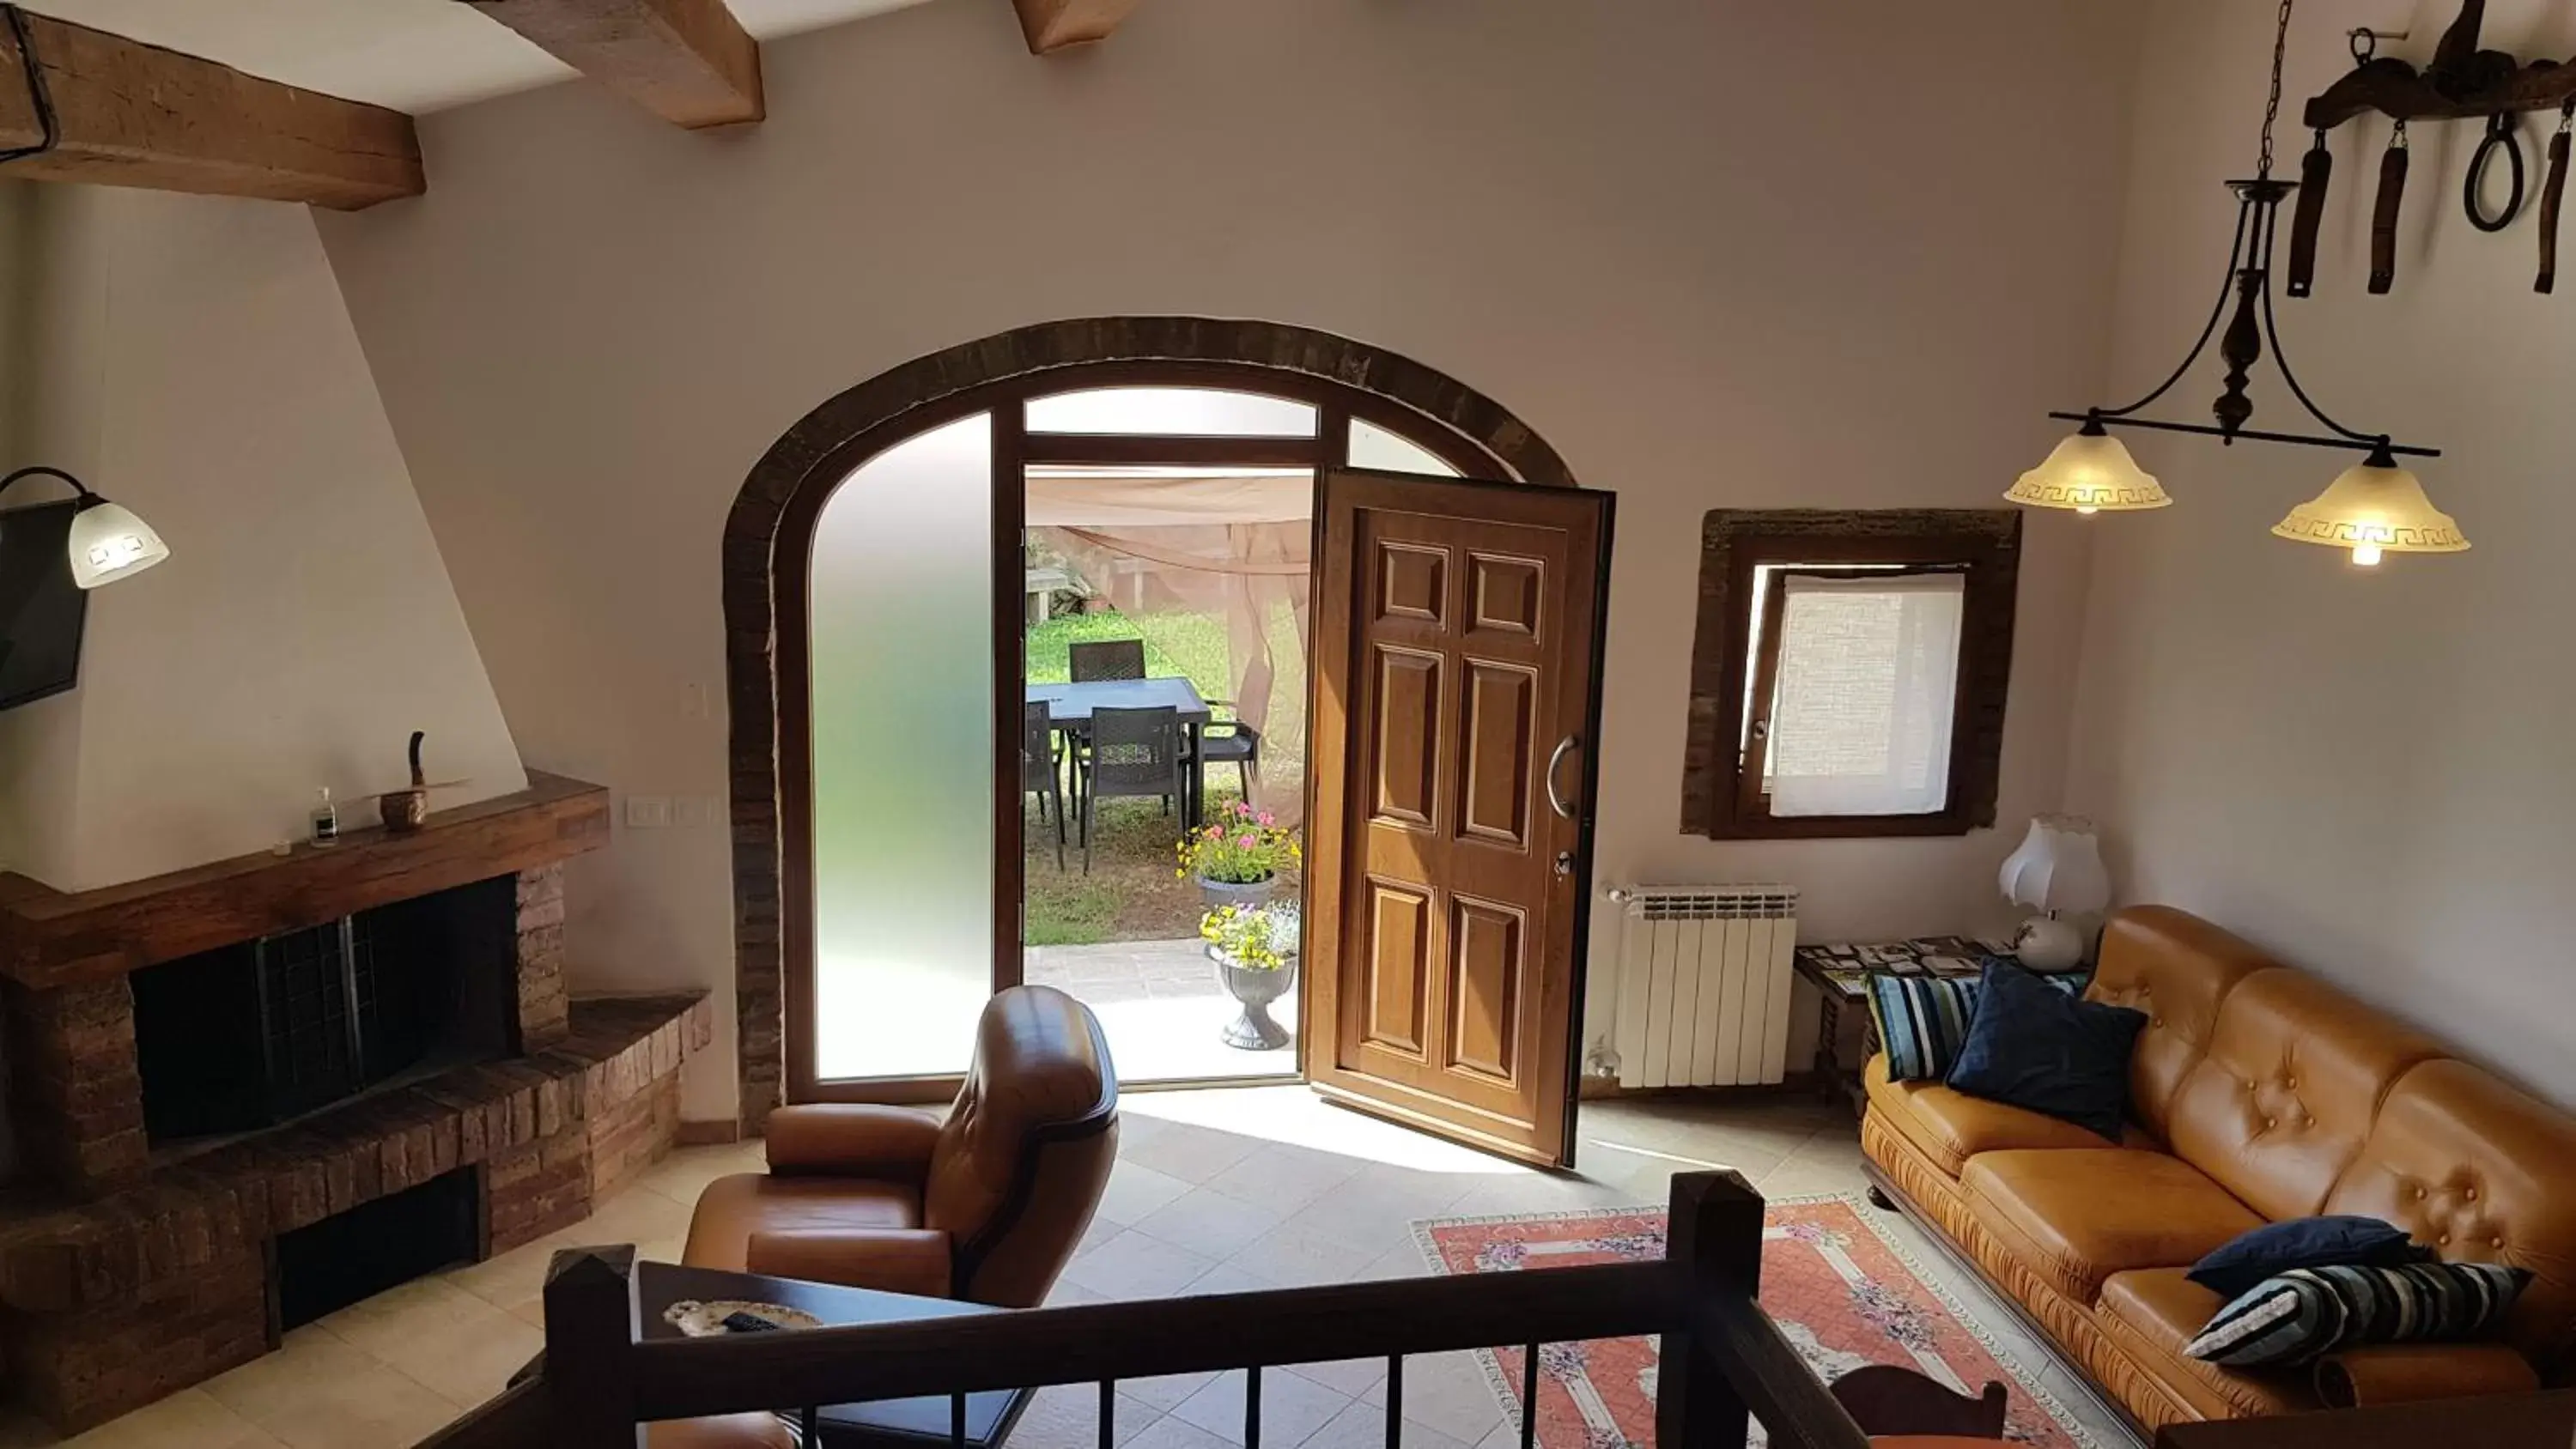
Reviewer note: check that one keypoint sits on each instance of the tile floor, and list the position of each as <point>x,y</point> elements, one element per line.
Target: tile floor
<point>1215,1191</point>
<point>1160,1003</point>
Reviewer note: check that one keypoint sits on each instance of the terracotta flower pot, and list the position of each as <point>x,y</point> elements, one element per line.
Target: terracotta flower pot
<point>1254,989</point>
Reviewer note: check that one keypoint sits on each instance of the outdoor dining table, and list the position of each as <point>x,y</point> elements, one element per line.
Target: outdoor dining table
<point>1069,708</point>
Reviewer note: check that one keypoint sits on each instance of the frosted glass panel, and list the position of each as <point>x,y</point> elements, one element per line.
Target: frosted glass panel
<point>1173,411</point>
<point>902,651</point>
<point>1375,447</point>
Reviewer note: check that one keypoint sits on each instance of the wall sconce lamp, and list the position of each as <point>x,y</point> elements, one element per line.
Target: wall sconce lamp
<point>107,541</point>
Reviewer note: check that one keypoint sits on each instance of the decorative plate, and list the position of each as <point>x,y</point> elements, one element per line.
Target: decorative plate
<point>706,1320</point>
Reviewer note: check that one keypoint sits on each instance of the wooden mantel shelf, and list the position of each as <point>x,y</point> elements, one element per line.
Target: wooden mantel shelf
<point>52,939</point>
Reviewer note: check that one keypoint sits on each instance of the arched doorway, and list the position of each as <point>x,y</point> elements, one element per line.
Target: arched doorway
<point>1350,390</point>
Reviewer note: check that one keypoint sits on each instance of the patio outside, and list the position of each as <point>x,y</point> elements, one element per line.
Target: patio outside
<point>1124,939</point>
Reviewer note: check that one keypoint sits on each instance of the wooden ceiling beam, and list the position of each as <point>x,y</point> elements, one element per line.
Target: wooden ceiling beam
<point>688,61</point>
<point>130,114</point>
<point>1053,25</point>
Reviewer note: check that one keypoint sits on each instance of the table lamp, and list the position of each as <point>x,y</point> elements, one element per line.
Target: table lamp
<point>2058,869</point>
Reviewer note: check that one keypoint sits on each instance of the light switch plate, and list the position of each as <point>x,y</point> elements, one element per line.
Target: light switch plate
<point>648,812</point>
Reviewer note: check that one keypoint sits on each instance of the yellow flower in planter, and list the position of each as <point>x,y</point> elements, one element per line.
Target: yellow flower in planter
<point>1261,938</point>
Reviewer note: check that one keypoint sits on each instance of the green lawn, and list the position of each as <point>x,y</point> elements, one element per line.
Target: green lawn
<point>1191,645</point>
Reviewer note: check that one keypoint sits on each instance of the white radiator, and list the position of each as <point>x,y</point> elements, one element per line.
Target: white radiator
<point>1704,985</point>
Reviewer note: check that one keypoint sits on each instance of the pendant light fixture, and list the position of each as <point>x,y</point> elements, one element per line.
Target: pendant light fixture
<point>107,541</point>
<point>2373,508</point>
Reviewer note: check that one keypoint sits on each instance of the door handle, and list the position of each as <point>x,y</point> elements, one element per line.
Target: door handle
<point>1555,758</point>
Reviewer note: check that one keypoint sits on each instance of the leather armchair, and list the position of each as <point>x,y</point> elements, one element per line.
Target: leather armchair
<point>985,1204</point>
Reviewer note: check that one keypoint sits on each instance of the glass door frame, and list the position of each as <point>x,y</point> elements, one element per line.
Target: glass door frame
<point>1014,449</point>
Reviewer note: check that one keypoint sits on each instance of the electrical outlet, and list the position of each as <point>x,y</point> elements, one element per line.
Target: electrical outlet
<point>648,812</point>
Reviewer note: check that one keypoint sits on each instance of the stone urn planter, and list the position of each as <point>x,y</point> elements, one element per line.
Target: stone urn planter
<point>1254,988</point>
<point>1231,893</point>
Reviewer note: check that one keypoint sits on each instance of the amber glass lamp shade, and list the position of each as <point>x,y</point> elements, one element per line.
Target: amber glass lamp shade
<point>2089,472</point>
<point>2375,507</point>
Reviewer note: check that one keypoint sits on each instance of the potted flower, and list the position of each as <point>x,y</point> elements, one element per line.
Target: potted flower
<point>1255,951</point>
<point>1237,856</point>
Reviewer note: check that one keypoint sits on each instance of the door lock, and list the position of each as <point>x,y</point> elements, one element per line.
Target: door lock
<point>1565,862</point>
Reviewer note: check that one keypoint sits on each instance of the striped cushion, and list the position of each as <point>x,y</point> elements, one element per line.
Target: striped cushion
<point>1921,1021</point>
<point>2307,1312</point>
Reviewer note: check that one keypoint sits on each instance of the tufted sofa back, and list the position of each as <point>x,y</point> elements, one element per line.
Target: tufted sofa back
<point>2481,1173</point>
<point>2280,1102</point>
<point>2299,1099</point>
<point>2176,968</point>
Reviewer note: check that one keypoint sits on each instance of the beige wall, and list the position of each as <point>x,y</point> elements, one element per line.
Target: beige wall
<point>2364,770</point>
<point>1663,231</point>
<point>190,358</point>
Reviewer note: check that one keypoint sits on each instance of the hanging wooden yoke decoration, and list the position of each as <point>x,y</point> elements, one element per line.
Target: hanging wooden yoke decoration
<point>2553,189</point>
<point>2499,137</point>
<point>2463,82</point>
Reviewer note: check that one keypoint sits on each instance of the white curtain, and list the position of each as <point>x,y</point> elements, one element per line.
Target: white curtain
<point>1867,685</point>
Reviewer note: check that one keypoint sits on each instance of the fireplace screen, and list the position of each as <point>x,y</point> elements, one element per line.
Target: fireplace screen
<point>314,1047</point>
<point>246,1036</point>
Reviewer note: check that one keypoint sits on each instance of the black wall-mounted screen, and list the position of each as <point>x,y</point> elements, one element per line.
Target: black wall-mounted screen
<point>41,609</point>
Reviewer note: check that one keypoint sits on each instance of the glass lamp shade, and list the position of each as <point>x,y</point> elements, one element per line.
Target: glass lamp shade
<point>2057,868</point>
<point>2375,507</point>
<point>108,543</point>
<point>2089,472</point>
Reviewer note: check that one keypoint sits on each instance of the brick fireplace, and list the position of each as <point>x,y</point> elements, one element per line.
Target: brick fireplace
<point>340,1049</point>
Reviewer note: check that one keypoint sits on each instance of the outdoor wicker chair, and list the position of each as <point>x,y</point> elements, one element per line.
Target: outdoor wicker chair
<point>1133,753</point>
<point>1108,659</point>
<point>1232,742</point>
<point>1042,767</point>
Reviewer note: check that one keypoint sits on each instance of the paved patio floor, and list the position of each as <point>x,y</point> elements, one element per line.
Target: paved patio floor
<point>1162,1007</point>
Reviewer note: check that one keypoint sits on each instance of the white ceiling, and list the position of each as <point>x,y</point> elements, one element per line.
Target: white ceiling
<point>412,55</point>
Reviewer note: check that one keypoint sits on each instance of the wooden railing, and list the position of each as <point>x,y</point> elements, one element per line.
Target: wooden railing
<point>1723,1358</point>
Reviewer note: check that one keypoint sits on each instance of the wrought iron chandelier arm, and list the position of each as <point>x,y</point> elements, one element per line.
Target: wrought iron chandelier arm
<point>2281,361</point>
<point>2226,289</point>
<point>39,470</point>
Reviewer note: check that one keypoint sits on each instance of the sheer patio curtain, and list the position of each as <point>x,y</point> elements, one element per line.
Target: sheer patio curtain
<point>1174,554</point>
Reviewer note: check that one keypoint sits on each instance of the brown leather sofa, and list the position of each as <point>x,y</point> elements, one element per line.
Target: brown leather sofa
<point>985,1204</point>
<point>2257,1093</point>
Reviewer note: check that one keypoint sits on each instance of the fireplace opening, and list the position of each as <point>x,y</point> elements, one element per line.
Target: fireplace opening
<point>377,1245</point>
<point>250,1035</point>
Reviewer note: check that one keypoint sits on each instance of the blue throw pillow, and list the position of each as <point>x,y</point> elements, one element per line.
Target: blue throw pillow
<point>1922,1020</point>
<point>2035,1047</point>
<point>2307,1312</point>
<point>2327,1242</point>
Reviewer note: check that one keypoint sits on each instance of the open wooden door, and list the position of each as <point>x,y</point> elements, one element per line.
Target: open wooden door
<point>1457,691</point>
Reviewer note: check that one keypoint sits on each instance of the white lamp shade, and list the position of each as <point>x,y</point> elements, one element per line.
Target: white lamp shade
<point>2090,471</point>
<point>2373,507</point>
<point>2057,868</point>
<point>108,543</point>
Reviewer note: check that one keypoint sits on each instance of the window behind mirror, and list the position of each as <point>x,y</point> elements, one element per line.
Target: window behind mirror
<point>1850,671</point>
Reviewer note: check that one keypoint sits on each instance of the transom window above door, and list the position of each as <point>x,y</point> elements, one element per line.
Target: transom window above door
<point>1189,412</point>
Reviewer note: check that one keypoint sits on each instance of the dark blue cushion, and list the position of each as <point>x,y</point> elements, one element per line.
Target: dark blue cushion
<point>2329,1242</point>
<point>2035,1047</point>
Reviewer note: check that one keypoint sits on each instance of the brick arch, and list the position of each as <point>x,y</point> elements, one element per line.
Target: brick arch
<point>785,489</point>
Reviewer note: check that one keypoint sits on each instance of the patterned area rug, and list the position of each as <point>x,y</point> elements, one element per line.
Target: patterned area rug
<point>1842,1291</point>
